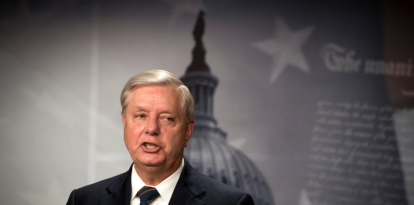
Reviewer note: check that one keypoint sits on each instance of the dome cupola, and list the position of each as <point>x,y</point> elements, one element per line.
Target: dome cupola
<point>208,151</point>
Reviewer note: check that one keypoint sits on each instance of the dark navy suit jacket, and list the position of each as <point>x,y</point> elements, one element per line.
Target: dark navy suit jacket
<point>192,189</point>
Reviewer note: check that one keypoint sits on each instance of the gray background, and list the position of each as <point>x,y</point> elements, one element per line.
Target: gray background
<point>63,66</point>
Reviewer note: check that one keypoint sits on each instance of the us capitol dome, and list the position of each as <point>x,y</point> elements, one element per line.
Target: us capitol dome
<point>208,151</point>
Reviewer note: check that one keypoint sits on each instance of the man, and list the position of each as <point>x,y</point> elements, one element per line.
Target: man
<point>158,119</point>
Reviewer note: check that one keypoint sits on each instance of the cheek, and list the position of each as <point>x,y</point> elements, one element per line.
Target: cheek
<point>135,130</point>
<point>176,141</point>
<point>132,134</point>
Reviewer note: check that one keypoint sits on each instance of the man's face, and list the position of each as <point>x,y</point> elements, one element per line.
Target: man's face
<point>155,128</point>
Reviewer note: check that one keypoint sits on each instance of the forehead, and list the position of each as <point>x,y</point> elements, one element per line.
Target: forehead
<point>155,95</point>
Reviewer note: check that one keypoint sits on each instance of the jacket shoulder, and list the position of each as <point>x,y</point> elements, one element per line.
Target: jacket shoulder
<point>220,193</point>
<point>91,194</point>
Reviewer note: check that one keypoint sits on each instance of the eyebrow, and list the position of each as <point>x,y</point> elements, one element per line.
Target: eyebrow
<point>138,108</point>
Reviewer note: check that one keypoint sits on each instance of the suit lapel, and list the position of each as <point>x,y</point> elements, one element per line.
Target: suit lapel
<point>189,189</point>
<point>119,192</point>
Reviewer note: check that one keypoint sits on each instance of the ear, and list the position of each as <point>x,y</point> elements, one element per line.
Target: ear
<point>189,131</point>
<point>123,119</point>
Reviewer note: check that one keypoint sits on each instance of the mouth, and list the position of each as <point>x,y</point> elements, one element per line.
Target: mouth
<point>150,147</point>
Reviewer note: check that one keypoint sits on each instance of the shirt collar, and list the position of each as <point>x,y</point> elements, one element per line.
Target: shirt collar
<point>165,188</point>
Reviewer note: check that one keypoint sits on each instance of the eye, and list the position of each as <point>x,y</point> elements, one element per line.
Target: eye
<point>140,116</point>
<point>169,119</point>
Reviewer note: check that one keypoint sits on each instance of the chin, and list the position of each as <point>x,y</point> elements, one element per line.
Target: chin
<point>150,161</point>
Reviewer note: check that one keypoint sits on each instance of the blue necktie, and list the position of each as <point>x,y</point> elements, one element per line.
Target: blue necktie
<point>147,194</point>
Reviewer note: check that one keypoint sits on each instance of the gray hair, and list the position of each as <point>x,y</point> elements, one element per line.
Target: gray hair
<point>162,78</point>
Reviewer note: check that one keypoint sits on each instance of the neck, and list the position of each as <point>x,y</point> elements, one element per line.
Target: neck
<point>155,175</point>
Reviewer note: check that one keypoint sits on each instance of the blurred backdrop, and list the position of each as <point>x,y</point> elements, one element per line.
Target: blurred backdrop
<point>318,96</point>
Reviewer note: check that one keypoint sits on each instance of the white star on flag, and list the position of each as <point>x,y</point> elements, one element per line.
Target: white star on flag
<point>285,48</point>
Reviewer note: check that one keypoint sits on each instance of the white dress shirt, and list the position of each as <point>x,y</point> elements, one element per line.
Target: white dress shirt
<point>165,188</point>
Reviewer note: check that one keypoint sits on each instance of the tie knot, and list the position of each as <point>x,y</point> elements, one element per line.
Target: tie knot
<point>147,194</point>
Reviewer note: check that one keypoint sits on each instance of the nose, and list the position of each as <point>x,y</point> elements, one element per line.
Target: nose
<point>152,127</point>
